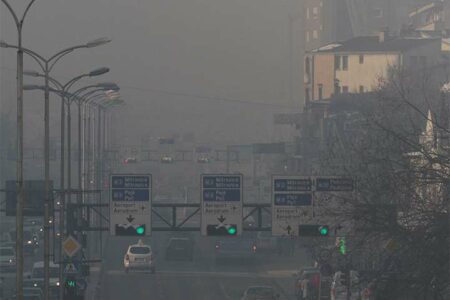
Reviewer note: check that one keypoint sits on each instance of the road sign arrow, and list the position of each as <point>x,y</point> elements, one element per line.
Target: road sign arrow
<point>221,219</point>
<point>130,219</point>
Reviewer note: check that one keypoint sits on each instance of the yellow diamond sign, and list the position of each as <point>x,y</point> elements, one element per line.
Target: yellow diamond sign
<point>71,246</point>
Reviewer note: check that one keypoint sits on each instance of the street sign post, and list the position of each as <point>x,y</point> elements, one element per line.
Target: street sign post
<point>130,205</point>
<point>292,204</point>
<point>221,204</point>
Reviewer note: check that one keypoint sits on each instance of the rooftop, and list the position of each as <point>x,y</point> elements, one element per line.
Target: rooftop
<point>373,44</point>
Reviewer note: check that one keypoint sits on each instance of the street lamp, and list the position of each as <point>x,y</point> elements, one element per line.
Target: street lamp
<point>63,88</point>
<point>19,163</point>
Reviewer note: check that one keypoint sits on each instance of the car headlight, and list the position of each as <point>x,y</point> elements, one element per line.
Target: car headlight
<point>35,284</point>
<point>11,260</point>
<point>57,283</point>
<point>29,242</point>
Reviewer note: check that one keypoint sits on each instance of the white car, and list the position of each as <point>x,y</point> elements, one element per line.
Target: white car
<point>339,288</point>
<point>7,259</point>
<point>139,256</point>
<point>166,159</point>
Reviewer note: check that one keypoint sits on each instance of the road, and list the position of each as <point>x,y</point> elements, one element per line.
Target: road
<point>197,280</point>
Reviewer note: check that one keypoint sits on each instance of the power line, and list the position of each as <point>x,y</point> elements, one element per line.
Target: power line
<point>195,96</point>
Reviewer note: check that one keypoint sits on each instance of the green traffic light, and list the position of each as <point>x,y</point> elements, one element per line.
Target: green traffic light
<point>140,230</point>
<point>342,248</point>
<point>324,230</point>
<point>232,231</point>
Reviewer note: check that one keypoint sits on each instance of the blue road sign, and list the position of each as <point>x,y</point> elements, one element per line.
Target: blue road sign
<point>130,182</point>
<point>293,199</point>
<point>221,195</point>
<point>293,185</point>
<point>130,195</point>
<point>221,201</point>
<point>130,204</point>
<point>334,184</point>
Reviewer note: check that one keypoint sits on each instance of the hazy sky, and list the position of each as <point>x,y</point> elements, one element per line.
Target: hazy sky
<point>176,61</point>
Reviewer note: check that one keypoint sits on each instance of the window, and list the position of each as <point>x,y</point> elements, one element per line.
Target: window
<point>307,13</point>
<point>315,35</point>
<point>307,36</point>
<point>361,59</point>
<point>345,89</point>
<point>320,90</point>
<point>307,96</point>
<point>361,89</point>
<point>345,63</point>
<point>315,12</point>
<point>337,62</point>
<point>414,60</point>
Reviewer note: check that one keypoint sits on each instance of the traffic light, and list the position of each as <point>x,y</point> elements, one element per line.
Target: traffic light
<point>342,248</point>
<point>313,230</point>
<point>221,230</point>
<point>133,230</point>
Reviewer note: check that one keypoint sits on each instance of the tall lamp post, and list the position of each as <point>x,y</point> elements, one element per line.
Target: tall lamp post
<point>62,92</point>
<point>19,161</point>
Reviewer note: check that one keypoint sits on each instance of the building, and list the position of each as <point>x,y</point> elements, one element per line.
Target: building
<point>432,17</point>
<point>327,21</point>
<point>357,65</point>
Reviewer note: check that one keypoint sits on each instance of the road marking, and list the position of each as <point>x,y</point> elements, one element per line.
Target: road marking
<point>272,274</point>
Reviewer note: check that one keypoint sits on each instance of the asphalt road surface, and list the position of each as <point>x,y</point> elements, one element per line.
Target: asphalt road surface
<point>197,280</point>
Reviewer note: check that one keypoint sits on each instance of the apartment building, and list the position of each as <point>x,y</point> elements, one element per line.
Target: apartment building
<point>357,65</point>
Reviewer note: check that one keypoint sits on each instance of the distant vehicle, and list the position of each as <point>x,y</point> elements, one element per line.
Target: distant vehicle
<point>265,242</point>
<point>180,248</point>
<point>342,286</point>
<point>37,276</point>
<point>236,247</point>
<point>166,159</point>
<point>203,160</point>
<point>7,259</point>
<point>139,256</point>
<point>260,293</point>
<point>130,160</point>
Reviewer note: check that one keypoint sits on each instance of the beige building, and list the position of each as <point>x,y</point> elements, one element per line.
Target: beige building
<point>357,65</point>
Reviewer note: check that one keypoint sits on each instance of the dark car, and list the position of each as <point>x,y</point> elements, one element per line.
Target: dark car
<point>180,249</point>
